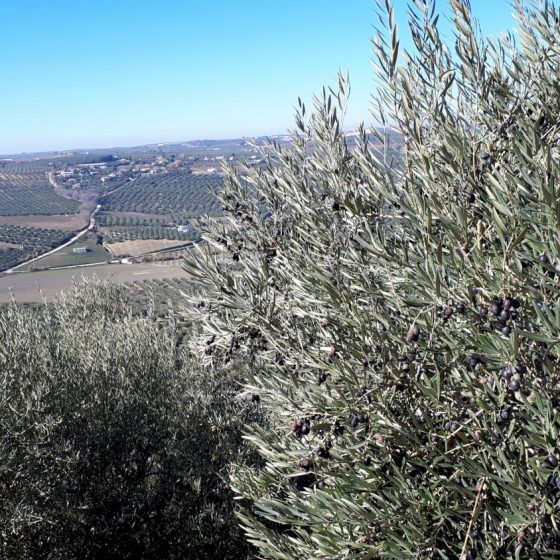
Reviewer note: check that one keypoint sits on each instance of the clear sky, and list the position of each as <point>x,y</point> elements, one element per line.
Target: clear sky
<point>104,73</point>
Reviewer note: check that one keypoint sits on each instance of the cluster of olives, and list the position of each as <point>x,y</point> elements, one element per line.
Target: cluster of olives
<point>406,359</point>
<point>513,376</point>
<point>450,426</point>
<point>451,308</point>
<point>300,427</point>
<point>505,312</point>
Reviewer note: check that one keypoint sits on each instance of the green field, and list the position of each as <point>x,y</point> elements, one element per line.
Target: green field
<point>65,257</point>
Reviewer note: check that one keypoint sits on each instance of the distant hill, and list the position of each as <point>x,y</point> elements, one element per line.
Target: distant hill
<point>230,144</point>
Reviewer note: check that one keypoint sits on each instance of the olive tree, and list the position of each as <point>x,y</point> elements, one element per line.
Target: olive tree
<point>114,442</point>
<point>396,302</point>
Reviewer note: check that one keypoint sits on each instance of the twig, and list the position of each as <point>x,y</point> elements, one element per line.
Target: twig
<point>474,514</point>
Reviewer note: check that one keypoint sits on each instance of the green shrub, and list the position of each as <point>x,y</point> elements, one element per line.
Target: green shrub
<point>113,442</point>
<point>401,318</point>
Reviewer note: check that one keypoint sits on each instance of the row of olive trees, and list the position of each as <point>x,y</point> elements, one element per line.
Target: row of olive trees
<point>400,320</point>
<point>114,442</point>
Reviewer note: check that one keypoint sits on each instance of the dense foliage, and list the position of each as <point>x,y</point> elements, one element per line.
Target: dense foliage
<point>175,192</point>
<point>114,443</point>
<point>30,193</point>
<point>402,322</point>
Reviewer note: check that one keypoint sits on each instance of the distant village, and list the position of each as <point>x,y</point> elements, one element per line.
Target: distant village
<point>105,173</point>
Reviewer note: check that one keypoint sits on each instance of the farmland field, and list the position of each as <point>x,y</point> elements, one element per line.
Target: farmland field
<point>176,192</point>
<point>66,257</point>
<point>145,217</point>
<point>30,192</point>
<point>140,246</point>
<point>33,286</point>
<point>120,234</point>
<point>68,222</point>
<point>20,244</point>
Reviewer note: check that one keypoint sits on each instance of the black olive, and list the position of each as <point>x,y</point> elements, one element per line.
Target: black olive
<point>507,373</point>
<point>503,316</point>
<point>513,385</point>
<point>447,312</point>
<point>323,453</point>
<point>495,309</point>
<point>472,361</point>
<point>413,334</point>
<point>507,303</point>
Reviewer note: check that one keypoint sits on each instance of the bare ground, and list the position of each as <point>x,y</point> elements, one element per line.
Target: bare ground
<point>141,246</point>
<point>36,286</point>
<point>64,222</point>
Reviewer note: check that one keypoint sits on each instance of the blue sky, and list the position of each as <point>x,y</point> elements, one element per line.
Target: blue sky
<point>101,73</point>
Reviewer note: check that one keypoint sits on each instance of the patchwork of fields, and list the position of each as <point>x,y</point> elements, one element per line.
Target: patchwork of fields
<point>148,213</point>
